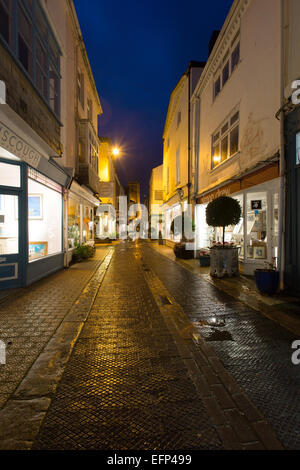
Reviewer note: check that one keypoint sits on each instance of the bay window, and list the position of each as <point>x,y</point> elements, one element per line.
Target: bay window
<point>35,48</point>
<point>225,141</point>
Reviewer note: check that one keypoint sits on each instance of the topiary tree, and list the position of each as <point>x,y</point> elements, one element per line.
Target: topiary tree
<point>222,212</point>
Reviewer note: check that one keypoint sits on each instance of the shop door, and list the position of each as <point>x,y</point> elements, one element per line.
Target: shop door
<point>10,256</point>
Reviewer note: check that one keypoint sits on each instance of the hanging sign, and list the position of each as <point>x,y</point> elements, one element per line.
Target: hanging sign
<point>17,146</point>
<point>256,205</point>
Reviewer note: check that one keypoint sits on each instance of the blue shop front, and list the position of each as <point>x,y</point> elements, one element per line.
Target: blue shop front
<point>32,186</point>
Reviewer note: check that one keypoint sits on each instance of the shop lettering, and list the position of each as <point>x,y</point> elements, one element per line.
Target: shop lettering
<point>18,147</point>
<point>212,197</point>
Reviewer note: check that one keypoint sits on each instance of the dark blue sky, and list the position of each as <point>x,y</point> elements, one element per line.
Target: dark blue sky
<point>138,51</point>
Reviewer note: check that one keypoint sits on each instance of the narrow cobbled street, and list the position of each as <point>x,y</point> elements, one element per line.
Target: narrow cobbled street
<point>140,378</point>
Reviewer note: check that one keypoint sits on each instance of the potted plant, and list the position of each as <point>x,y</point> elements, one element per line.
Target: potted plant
<point>204,257</point>
<point>180,250</point>
<point>222,212</point>
<point>267,279</point>
<point>83,252</point>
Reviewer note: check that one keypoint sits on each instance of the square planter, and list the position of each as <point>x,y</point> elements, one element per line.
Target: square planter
<point>224,262</point>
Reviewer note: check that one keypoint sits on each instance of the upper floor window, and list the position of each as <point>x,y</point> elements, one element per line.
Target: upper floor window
<point>80,88</point>
<point>225,141</point>
<point>35,48</point>
<point>177,166</point>
<point>5,20</point>
<point>178,118</point>
<point>229,63</point>
<point>90,110</point>
<point>158,195</point>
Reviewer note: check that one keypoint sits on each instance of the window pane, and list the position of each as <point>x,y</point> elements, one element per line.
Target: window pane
<point>44,220</point>
<point>25,42</point>
<point>217,87</point>
<point>224,128</point>
<point>234,140</point>
<point>225,73</point>
<point>216,157</point>
<point>5,20</point>
<point>10,175</point>
<point>9,225</point>
<point>235,57</point>
<point>53,90</point>
<point>224,149</point>
<point>54,52</point>
<point>73,223</point>
<point>234,118</point>
<point>257,225</point>
<point>41,24</point>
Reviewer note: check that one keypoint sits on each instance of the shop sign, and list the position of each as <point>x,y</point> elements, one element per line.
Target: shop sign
<point>256,205</point>
<point>106,189</point>
<point>17,146</point>
<point>214,195</point>
<point>2,92</point>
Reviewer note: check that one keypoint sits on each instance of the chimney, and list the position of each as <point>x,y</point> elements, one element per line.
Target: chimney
<point>213,40</point>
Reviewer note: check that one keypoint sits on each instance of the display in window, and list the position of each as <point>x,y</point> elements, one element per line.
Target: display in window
<point>35,206</point>
<point>37,250</point>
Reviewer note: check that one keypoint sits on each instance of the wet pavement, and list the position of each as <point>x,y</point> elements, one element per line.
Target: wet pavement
<point>137,380</point>
<point>146,355</point>
<point>255,350</point>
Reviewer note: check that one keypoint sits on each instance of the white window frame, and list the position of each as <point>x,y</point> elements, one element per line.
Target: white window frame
<point>223,132</point>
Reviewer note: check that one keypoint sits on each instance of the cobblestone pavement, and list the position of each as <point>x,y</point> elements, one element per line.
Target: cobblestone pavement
<point>30,316</point>
<point>137,380</point>
<point>255,350</point>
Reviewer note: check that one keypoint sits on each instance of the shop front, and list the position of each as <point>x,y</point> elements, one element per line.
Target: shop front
<point>256,235</point>
<point>31,206</point>
<point>81,205</point>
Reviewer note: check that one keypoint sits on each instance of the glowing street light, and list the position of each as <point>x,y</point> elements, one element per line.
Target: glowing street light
<point>116,152</point>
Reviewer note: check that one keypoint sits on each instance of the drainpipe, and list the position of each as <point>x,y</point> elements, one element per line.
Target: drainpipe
<point>189,138</point>
<point>281,234</point>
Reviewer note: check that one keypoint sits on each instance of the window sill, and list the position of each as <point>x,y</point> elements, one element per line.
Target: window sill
<point>230,159</point>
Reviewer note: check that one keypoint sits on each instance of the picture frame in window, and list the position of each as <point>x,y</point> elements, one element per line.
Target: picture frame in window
<point>250,251</point>
<point>259,252</point>
<point>35,206</point>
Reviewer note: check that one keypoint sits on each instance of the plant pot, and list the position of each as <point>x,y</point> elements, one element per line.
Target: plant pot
<point>204,261</point>
<point>267,281</point>
<point>181,252</point>
<point>224,262</point>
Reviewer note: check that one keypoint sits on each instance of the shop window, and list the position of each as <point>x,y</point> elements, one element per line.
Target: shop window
<point>44,217</point>
<point>9,225</point>
<point>298,148</point>
<point>73,223</point>
<point>225,141</point>
<point>257,235</point>
<point>5,20</point>
<point>87,225</point>
<point>10,175</point>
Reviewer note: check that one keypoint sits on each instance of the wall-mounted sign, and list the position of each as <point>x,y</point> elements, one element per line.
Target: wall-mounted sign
<point>106,189</point>
<point>2,92</point>
<point>17,146</point>
<point>256,205</point>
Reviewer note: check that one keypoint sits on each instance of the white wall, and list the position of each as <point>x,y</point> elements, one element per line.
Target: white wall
<point>254,88</point>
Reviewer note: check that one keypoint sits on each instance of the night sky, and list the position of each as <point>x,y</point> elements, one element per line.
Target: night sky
<point>138,51</point>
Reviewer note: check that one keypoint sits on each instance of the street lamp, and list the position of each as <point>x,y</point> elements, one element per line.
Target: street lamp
<point>116,152</point>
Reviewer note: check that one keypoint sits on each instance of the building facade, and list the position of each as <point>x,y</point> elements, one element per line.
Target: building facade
<point>177,164</point>
<point>32,182</point>
<point>236,143</point>
<point>156,200</point>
